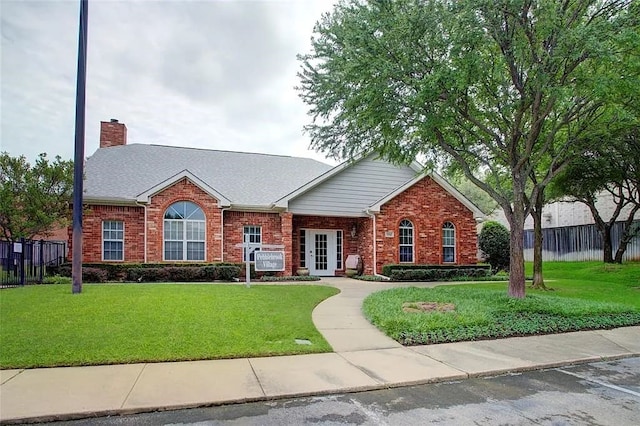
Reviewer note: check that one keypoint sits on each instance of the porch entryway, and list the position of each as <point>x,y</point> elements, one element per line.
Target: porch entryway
<point>322,251</point>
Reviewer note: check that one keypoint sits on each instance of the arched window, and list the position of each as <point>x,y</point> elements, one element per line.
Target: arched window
<point>406,241</point>
<point>184,234</point>
<point>448,242</point>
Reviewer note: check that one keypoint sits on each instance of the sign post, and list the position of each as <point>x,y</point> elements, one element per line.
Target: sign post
<point>265,260</point>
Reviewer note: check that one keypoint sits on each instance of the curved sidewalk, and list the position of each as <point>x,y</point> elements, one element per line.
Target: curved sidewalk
<point>364,359</point>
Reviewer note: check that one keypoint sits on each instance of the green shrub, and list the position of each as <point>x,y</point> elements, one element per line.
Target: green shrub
<point>94,275</point>
<point>185,273</point>
<point>437,274</point>
<point>210,273</point>
<point>227,272</point>
<point>494,243</point>
<point>56,279</point>
<point>267,278</point>
<point>388,268</point>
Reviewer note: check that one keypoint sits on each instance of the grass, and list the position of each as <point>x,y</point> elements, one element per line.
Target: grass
<point>587,295</point>
<point>46,326</point>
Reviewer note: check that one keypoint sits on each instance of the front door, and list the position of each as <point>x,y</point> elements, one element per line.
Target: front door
<point>322,252</point>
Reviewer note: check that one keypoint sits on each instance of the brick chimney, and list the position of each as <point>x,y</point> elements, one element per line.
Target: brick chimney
<point>112,133</point>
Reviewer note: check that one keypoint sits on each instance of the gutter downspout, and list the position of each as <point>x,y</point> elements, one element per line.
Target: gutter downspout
<point>144,206</point>
<point>222,210</point>
<point>375,251</point>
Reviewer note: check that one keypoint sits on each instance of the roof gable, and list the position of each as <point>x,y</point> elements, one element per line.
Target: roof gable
<point>145,196</point>
<point>348,189</point>
<point>477,213</point>
<point>245,179</point>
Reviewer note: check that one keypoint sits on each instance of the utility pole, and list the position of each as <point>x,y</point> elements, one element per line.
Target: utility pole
<point>78,162</point>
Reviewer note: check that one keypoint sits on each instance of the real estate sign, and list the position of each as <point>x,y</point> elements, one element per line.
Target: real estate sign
<point>269,260</point>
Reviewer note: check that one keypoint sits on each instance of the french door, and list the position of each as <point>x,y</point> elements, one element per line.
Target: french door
<point>321,248</point>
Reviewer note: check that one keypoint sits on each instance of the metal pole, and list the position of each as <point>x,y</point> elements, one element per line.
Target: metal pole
<point>41,262</point>
<point>78,162</point>
<point>247,255</point>
<point>22,262</point>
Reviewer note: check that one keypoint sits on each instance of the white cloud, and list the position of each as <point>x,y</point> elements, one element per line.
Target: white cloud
<point>206,74</point>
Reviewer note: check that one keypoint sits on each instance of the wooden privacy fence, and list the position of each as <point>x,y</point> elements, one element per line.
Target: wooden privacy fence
<point>579,243</point>
<point>26,261</point>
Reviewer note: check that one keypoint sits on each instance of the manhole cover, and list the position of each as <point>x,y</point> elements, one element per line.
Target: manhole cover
<point>303,341</point>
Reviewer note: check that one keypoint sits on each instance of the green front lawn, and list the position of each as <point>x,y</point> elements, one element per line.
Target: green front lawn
<point>586,295</point>
<point>43,326</point>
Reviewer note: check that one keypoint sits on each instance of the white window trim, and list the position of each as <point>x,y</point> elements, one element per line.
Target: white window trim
<point>184,236</point>
<point>413,241</point>
<point>244,254</point>
<point>340,253</point>
<point>453,227</point>
<point>103,241</point>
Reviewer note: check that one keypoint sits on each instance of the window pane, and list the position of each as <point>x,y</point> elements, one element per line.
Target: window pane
<point>406,254</point>
<point>448,254</point>
<point>112,240</point>
<point>405,240</point>
<point>303,249</point>
<point>173,250</point>
<point>195,231</point>
<point>112,250</point>
<point>195,251</point>
<point>252,234</point>
<point>339,249</point>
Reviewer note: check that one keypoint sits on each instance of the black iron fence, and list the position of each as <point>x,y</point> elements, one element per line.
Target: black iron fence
<point>26,261</point>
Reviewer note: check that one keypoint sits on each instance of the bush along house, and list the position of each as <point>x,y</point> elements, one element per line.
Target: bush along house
<point>163,204</point>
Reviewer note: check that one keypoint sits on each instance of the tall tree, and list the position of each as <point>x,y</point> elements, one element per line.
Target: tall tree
<point>499,86</point>
<point>612,170</point>
<point>33,199</point>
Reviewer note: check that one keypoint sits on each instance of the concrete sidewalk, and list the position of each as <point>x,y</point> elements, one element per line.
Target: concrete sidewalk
<point>364,359</point>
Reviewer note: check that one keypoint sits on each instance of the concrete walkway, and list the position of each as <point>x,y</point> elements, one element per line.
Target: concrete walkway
<point>364,359</point>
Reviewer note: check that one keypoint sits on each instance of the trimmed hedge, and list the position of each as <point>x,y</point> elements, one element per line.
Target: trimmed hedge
<point>439,274</point>
<point>389,268</point>
<point>154,272</point>
<point>267,278</point>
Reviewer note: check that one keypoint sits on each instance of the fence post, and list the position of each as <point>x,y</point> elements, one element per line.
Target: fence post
<point>22,261</point>
<point>41,261</point>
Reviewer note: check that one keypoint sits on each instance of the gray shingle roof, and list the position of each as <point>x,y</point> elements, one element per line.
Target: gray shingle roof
<point>124,172</point>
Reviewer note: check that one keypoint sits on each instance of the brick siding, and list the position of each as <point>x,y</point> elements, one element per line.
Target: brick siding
<point>428,206</point>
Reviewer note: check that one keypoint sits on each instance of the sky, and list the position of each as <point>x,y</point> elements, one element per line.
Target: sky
<point>206,74</point>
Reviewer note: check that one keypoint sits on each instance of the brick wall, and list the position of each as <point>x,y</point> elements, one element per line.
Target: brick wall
<point>133,218</point>
<point>351,245</point>
<point>234,223</point>
<point>183,190</point>
<point>428,206</point>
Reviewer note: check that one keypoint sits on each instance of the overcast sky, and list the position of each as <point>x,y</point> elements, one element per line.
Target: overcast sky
<point>208,74</point>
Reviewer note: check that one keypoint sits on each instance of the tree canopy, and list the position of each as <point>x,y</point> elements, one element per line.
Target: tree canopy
<point>611,169</point>
<point>502,89</point>
<point>33,199</point>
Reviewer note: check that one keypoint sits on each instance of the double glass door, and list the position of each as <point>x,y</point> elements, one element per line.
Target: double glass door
<point>322,252</point>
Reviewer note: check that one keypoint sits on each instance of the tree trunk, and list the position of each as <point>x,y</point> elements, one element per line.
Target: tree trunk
<point>607,246</point>
<point>536,213</point>
<point>627,235</point>
<point>516,250</point>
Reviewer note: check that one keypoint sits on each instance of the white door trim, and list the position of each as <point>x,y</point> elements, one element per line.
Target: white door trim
<point>316,262</point>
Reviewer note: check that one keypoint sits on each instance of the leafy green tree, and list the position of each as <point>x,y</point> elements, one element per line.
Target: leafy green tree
<point>473,193</point>
<point>494,243</point>
<point>498,88</point>
<point>33,199</point>
<point>611,169</point>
